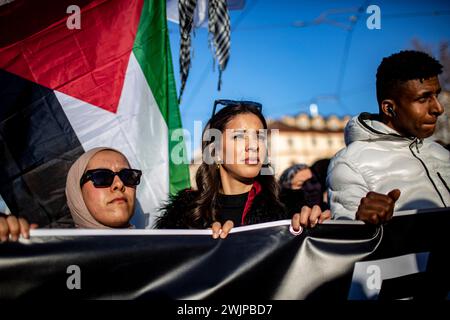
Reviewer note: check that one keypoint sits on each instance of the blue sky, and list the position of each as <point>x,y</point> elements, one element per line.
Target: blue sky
<point>286,67</point>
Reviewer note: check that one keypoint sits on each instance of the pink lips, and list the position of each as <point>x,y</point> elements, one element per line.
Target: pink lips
<point>251,160</point>
<point>118,200</point>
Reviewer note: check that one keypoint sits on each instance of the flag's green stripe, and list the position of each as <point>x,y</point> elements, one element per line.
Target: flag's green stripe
<point>152,51</point>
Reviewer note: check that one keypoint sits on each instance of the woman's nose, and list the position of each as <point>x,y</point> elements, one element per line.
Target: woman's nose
<point>251,144</point>
<point>117,184</point>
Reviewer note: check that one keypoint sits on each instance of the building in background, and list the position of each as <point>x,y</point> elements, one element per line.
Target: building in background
<point>300,139</point>
<point>305,139</point>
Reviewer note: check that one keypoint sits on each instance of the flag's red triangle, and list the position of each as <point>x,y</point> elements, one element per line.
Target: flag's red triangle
<point>89,63</point>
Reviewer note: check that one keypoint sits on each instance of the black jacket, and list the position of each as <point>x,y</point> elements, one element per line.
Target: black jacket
<point>177,211</point>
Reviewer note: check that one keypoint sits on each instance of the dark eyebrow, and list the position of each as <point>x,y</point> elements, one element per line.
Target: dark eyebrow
<point>428,94</point>
<point>258,131</point>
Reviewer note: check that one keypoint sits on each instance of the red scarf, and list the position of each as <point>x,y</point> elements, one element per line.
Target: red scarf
<point>254,191</point>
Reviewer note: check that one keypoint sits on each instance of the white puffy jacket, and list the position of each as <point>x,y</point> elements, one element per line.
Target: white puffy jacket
<point>378,159</point>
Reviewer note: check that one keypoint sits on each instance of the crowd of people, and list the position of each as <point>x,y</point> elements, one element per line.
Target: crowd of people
<point>388,164</point>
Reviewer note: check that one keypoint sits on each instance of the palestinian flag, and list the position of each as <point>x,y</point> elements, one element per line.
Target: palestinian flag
<point>64,90</point>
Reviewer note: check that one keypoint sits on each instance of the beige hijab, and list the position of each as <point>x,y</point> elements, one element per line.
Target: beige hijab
<point>80,213</point>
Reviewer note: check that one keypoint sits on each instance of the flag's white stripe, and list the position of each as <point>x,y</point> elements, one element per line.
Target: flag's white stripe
<point>138,130</point>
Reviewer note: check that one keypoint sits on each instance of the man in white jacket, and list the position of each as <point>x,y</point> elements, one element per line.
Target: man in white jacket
<point>388,164</point>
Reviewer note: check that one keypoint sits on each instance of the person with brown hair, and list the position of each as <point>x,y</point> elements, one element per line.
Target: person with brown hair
<point>236,185</point>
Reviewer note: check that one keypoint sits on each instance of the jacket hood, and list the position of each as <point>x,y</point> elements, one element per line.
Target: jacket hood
<point>367,127</point>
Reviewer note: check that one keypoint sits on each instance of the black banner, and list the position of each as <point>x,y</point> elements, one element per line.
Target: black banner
<point>406,258</point>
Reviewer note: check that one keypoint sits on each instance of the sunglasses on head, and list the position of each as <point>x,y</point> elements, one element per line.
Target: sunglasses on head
<point>103,178</point>
<point>232,103</point>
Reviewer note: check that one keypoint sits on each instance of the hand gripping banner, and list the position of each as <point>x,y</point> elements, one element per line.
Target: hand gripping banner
<point>406,258</point>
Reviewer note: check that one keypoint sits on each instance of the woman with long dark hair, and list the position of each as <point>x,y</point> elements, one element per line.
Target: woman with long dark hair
<point>235,183</point>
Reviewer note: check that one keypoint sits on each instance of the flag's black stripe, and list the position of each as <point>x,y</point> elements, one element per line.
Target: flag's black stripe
<point>37,147</point>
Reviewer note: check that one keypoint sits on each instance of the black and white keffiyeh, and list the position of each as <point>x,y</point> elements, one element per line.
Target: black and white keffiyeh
<point>219,32</point>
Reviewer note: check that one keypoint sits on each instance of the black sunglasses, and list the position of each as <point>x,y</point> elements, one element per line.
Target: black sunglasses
<point>232,103</point>
<point>103,178</point>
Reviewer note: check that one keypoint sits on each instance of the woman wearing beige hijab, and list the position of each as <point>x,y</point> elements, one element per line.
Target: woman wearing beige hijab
<point>101,189</point>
